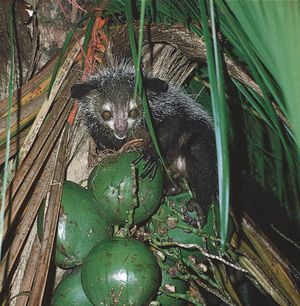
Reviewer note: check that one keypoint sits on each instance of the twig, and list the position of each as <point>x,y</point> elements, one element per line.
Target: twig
<point>206,254</point>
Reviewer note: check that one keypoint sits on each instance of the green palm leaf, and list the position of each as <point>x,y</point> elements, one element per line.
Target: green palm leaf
<point>215,70</point>
<point>266,36</point>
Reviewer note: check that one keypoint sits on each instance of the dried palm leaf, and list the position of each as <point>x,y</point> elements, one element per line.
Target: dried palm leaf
<point>50,224</point>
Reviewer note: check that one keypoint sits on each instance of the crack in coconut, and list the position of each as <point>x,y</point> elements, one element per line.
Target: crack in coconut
<point>121,190</point>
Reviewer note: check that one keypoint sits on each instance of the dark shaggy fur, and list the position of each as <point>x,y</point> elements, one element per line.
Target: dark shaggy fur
<point>182,126</point>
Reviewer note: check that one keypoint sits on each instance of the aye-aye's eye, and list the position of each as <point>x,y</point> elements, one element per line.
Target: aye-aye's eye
<point>134,113</point>
<point>106,115</point>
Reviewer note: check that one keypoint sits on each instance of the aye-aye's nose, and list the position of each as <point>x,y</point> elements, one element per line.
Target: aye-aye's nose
<point>120,128</point>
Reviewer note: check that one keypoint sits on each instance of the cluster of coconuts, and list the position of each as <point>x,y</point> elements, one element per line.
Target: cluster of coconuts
<point>104,269</point>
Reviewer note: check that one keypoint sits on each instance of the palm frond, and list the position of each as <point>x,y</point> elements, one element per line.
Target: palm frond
<point>10,98</point>
<point>215,70</point>
<point>257,30</point>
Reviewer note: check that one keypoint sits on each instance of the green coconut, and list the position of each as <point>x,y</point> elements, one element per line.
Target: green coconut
<point>80,226</point>
<point>69,291</point>
<point>112,184</point>
<point>120,272</point>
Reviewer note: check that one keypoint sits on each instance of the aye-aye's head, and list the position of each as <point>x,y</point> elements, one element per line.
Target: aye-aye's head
<point>107,99</point>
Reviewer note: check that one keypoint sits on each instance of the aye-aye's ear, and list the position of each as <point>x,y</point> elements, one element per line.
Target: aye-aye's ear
<point>78,91</point>
<point>156,85</point>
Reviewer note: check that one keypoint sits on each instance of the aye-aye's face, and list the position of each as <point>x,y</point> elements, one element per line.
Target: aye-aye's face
<point>116,109</point>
